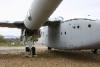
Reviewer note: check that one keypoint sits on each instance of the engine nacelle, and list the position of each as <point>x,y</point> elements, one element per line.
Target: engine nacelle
<point>39,13</point>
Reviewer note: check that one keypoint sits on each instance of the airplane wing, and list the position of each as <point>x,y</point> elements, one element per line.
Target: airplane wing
<point>16,24</point>
<point>20,24</point>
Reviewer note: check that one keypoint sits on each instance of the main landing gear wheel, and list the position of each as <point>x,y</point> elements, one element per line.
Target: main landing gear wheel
<point>27,49</point>
<point>33,50</point>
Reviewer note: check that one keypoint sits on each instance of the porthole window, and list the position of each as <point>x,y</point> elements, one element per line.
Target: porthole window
<point>65,33</point>
<point>78,26</point>
<point>74,27</point>
<point>89,25</point>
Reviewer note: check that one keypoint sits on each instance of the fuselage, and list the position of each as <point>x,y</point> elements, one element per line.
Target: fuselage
<point>72,34</point>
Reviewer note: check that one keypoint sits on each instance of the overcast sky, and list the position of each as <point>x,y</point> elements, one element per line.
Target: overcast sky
<point>13,10</point>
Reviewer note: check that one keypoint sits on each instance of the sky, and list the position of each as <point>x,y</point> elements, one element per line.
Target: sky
<point>16,10</point>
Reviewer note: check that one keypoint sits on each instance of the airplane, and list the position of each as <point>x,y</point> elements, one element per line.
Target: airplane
<point>78,33</point>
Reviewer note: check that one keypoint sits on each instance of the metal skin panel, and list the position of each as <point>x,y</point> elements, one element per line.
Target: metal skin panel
<point>82,37</point>
<point>40,12</point>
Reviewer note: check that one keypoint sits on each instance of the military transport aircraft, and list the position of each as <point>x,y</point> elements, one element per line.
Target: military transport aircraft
<point>78,33</point>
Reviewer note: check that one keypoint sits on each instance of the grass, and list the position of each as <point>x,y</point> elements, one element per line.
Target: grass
<point>9,42</point>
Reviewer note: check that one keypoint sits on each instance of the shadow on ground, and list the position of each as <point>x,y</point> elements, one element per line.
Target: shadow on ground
<point>84,56</point>
<point>79,56</point>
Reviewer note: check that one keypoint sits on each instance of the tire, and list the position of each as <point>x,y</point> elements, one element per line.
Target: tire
<point>27,49</point>
<point>33,51</point>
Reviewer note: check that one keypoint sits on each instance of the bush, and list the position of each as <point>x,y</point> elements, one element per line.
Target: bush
<point>2,40</point>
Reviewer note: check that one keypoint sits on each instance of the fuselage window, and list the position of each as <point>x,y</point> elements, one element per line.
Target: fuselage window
<point>89,25</point>
<point>78,26</point>
<point>74,27</point>
<point>65,33</point>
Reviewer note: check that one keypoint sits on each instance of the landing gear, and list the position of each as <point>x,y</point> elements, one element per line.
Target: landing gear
<point>95,51</point>
<point>29,38</point>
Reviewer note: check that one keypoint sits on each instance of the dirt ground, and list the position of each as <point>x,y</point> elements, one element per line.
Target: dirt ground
<point>44,58</point>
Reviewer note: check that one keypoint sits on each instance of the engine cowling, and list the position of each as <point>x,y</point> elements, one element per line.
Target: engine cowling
<point>39,13</point>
